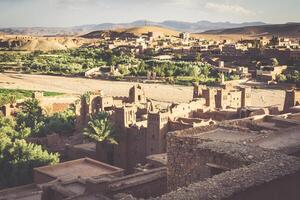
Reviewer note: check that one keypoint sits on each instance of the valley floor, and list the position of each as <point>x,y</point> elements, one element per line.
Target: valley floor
<point>159,92</point>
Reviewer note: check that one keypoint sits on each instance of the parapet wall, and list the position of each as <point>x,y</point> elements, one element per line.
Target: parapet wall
<point>270,180</point>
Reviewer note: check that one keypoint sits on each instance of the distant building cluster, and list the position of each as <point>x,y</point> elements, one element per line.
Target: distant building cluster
<point>217,146</point>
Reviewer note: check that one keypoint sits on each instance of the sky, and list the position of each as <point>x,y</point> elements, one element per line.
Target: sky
<point>62,13</point>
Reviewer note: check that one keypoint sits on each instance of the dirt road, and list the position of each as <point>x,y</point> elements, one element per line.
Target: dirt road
<point>160,92</point>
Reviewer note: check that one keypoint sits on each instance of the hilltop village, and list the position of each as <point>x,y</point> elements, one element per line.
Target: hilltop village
<point>217,145</point>
<point>216,138</point>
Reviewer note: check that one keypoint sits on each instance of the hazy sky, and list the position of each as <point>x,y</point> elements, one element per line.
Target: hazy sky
<point>78,12</point>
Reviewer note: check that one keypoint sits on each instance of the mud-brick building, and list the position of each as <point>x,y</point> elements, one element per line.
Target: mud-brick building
<point>224,96</point>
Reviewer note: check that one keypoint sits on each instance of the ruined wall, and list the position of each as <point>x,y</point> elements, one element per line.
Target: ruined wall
<point>137,94</point>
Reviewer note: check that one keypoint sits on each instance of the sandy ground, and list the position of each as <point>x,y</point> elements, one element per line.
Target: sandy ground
<point>159,92</point>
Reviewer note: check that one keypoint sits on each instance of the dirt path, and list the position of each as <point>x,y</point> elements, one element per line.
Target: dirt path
<point>160,92</point>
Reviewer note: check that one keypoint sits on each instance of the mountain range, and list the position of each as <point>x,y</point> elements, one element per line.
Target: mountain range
<point>195,27</point>
<point>282,30</point>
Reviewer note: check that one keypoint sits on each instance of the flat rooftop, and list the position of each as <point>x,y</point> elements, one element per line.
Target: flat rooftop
<point>286,141</point>
<point>79,168</point>
<point>280,132</point>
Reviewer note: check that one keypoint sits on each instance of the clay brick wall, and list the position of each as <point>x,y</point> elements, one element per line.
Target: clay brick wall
<point>186,110</point>
<point>73,153</point>
<point>289,100</point>
<point>209,95</point>
<point>136,146</point>
<point>157,129</point>
<point>297,97</point>
<point>60,107</point>
<point>217,115</point>
<point>40,177</point>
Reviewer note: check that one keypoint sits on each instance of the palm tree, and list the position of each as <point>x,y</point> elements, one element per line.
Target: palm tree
<point>100,129</point>
<point>12,100</point>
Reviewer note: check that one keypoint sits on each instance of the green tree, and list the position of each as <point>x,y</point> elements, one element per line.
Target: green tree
<point>8,127</point>
<point>274,62</point>
<point>100,129</point>
<point>62,122</point>
<point>281,78</point>
<point>31,116</point>
<point>17,160</point>
<point>12,99</point>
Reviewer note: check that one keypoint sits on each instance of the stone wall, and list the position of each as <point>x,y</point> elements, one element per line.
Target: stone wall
<point>187,163</point>
<point>243,172</point>
<point>176,125</point>
<point>275,179</point>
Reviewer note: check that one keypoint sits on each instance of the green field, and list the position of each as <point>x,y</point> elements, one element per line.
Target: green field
<point>7,94</point>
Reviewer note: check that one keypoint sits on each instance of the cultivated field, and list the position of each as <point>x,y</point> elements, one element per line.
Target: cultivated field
<point>167,93</point>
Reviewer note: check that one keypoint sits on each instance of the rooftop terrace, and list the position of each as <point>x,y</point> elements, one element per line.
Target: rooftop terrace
<point>84,168</point>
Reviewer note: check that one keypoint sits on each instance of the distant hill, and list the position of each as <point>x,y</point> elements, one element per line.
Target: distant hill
<point>156,29</point>
<point>195,27</point>
<point>39,43</point>
<point>287,30</point>
<point>135,31</point>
